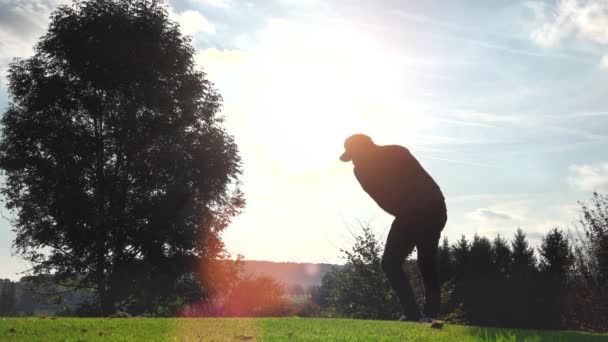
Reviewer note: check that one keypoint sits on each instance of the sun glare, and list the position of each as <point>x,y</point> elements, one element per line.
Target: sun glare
<point>318,93</point>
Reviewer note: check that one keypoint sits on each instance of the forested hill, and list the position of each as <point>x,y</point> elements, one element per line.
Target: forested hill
<point>18,297</point>
<point>289,273</point>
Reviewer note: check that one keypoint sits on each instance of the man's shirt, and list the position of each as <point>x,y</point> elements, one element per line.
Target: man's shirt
<point>397,181</point>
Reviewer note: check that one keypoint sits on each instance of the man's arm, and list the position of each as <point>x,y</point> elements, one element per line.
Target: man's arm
<point>384,178</point>
<point>369,181</point>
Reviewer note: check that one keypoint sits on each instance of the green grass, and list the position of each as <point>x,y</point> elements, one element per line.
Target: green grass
<point>264,329</point>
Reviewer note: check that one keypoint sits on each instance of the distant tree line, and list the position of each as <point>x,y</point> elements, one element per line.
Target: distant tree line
<point>8,298</point>
<point>42,297</point>
<point>491,282</point>
<point>235,295</point>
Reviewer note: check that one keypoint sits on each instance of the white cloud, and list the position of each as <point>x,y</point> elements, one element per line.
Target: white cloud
<point>192,22</point>
<point>485,214</point>
<point>493,215</point>
<point>589,177</point>
<point>553,27</point>
<point>21,24</point>
<point>504,215</point>
<point>592,21</point>
<point>533,214</point>
<point>475,117</point>
<point>604,62</point>
<point>572,18</point>
<point>3,80</point>
<point>548,35</point>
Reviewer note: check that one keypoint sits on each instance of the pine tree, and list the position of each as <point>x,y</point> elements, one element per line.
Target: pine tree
<point>481,255</point>
<point>523,254</point>
<point>444,256</point>
<point>555,255</point>
<point>501,256</point>
<point>461,255</point>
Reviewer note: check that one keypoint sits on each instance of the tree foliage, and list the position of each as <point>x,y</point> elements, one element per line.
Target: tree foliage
<point>588,303</point>
<point>118,170</point>
<point>592,247</point>
<point>444,261</point>
<point>481,255</point>
<point>501,256</point>
<point>359,289</point>
<point>556,256</point>
<point>522,253</point>
<point>461,254</point>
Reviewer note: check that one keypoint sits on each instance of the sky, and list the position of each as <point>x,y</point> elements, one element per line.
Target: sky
<point>503,102</point>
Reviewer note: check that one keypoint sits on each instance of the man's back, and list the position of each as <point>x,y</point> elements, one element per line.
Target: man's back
<point>396,180</point>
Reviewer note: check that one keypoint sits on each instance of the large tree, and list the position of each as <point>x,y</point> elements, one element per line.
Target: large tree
<point>118,170</point>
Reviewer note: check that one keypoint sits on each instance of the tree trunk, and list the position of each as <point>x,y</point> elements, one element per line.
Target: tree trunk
<point>103,292</point>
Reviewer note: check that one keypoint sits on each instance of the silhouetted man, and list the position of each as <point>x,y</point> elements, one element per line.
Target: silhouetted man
<point>400,186</point>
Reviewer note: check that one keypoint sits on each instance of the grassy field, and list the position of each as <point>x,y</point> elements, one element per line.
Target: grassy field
<point>264,329</point>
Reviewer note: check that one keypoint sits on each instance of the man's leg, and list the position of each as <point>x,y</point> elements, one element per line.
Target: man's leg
<point>399,244</point>
<point>427,264</point>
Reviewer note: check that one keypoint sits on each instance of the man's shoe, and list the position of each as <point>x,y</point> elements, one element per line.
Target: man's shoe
<point>433,323</point>
<point>436,324</point>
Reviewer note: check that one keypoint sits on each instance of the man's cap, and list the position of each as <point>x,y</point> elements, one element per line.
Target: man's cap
<point>354,142</point>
